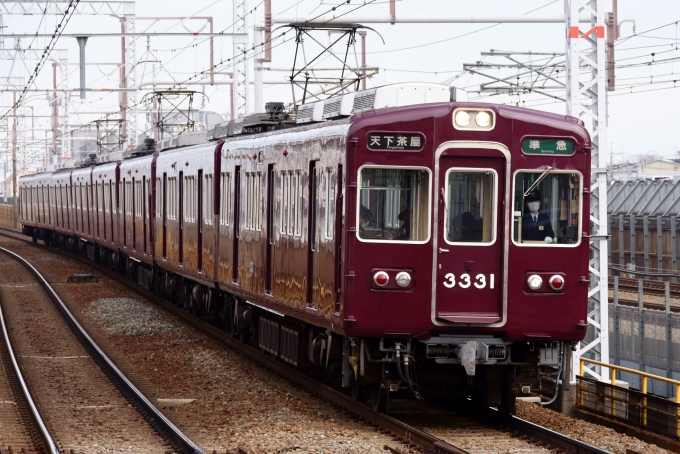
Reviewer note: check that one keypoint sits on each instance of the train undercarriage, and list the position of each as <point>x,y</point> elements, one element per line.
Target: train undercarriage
<point>487,370</point>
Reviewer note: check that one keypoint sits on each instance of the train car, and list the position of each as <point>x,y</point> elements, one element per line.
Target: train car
<point>134,193</point>
<point>61,181</point>
<point>185,227</point>
<point>27,210</point>
<point>105,178</point>
<point>83,209</point>
<point>41,189</point>
<point>422,247</point>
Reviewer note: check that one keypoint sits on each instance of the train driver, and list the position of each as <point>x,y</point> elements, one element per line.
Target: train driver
<point>536,225</point>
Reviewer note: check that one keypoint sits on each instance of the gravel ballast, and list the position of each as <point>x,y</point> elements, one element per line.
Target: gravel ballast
<point>238,403</point>
<point>129,317</point>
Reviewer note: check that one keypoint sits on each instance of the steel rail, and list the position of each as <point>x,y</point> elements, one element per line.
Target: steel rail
<point>649,286</point>
<point>646,305</point>
<point>407,434</point>
<point>48,441</point>
<point>556,439</point>
<point>157,418</point>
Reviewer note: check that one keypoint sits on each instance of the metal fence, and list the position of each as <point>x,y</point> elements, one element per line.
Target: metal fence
<point>644,225</point>
<point>630,407</point>
<point>646,340</point>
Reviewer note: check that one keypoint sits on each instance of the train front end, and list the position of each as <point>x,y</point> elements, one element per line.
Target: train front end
<point>466,249</point>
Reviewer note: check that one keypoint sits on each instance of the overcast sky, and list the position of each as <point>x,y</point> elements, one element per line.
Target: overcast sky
<point>643,117</point>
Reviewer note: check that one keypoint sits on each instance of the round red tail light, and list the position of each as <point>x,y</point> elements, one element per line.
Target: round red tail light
<point>556,282</point>
<point>381,278</point>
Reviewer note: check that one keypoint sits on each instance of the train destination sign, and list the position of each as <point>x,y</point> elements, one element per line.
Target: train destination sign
<point>395,141</point>
<point>542,145</point>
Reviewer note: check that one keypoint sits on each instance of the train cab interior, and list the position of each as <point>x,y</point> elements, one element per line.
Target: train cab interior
<point>546,207</point>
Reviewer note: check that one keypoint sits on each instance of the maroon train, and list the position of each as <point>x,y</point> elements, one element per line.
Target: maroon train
<point>436,249</point>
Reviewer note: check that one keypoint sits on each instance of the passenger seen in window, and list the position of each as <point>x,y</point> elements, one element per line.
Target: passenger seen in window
<point>365,216</point>
<point>404,232</point>
<point>471,228</point>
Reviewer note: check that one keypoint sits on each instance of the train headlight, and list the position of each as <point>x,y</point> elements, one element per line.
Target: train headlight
<point>556,282</point>
<point>462,118</point>
<point>403,279</point>
<point>381,278</point>
<point>534,282</point>
<point>483,119</point>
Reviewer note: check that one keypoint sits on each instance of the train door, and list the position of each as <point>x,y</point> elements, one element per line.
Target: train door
<point>269,253</point>
<point>181,218</point>
<point>125,210</point>
<point>165,215</point>
<point>145,212</point>
<point>470,240</point>
<point>133,210</point>
<point>237,223</point>
<point>312,235</point>
<point>199,220</point>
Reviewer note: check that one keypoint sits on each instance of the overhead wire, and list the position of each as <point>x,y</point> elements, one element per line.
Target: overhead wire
<point>42,18</point>
<point>48,49</point>
<point>225,63</point>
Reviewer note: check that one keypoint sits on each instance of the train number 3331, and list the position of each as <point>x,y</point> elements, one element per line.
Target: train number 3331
<point>464,281</point>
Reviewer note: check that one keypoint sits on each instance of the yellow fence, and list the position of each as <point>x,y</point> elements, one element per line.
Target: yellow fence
<point>632,407</point>
<point>7,216</point>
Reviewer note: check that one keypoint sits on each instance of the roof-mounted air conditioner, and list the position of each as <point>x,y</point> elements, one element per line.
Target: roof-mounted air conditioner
<point>308,113</point>
<point>399,95</point>
<point>338,107</point>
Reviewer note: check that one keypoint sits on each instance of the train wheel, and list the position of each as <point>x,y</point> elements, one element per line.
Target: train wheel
<point>508,400</point>
<point>380,398</point>
<point>359,393</point>
<point>244,335</point>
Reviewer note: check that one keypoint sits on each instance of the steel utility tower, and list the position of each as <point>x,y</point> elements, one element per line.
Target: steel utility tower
<point>240,68</point>
<point>587,100</point>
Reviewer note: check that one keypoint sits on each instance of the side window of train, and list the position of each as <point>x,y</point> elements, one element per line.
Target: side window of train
<point>394,204</point>
<point>254,201</point>
<point>258,197</point>
<point>250,183</point>
<point>547,208</point>
<point>107,198</point>
<point>208,199</point>
<point>330,203</point>
<point>291,203</point>
<point>298,204</point>
<point>128,198</point>
<point>172,198</point>
<point>190,199</point>
<point>225,199</point>
<point>139,195</point>
<point>159,198</point>
<point>285,201</point>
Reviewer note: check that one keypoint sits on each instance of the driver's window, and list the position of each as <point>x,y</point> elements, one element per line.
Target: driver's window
<point>546,208</point>
<point>470,198</point>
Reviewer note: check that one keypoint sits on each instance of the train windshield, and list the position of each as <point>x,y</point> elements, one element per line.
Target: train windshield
<point>546,207</point>
<point>393,204</point>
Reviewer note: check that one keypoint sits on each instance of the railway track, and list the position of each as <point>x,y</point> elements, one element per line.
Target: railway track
<point>85,401</point>
<point>650,287</point>
<point>23,427</point>
<point>501,429</point>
